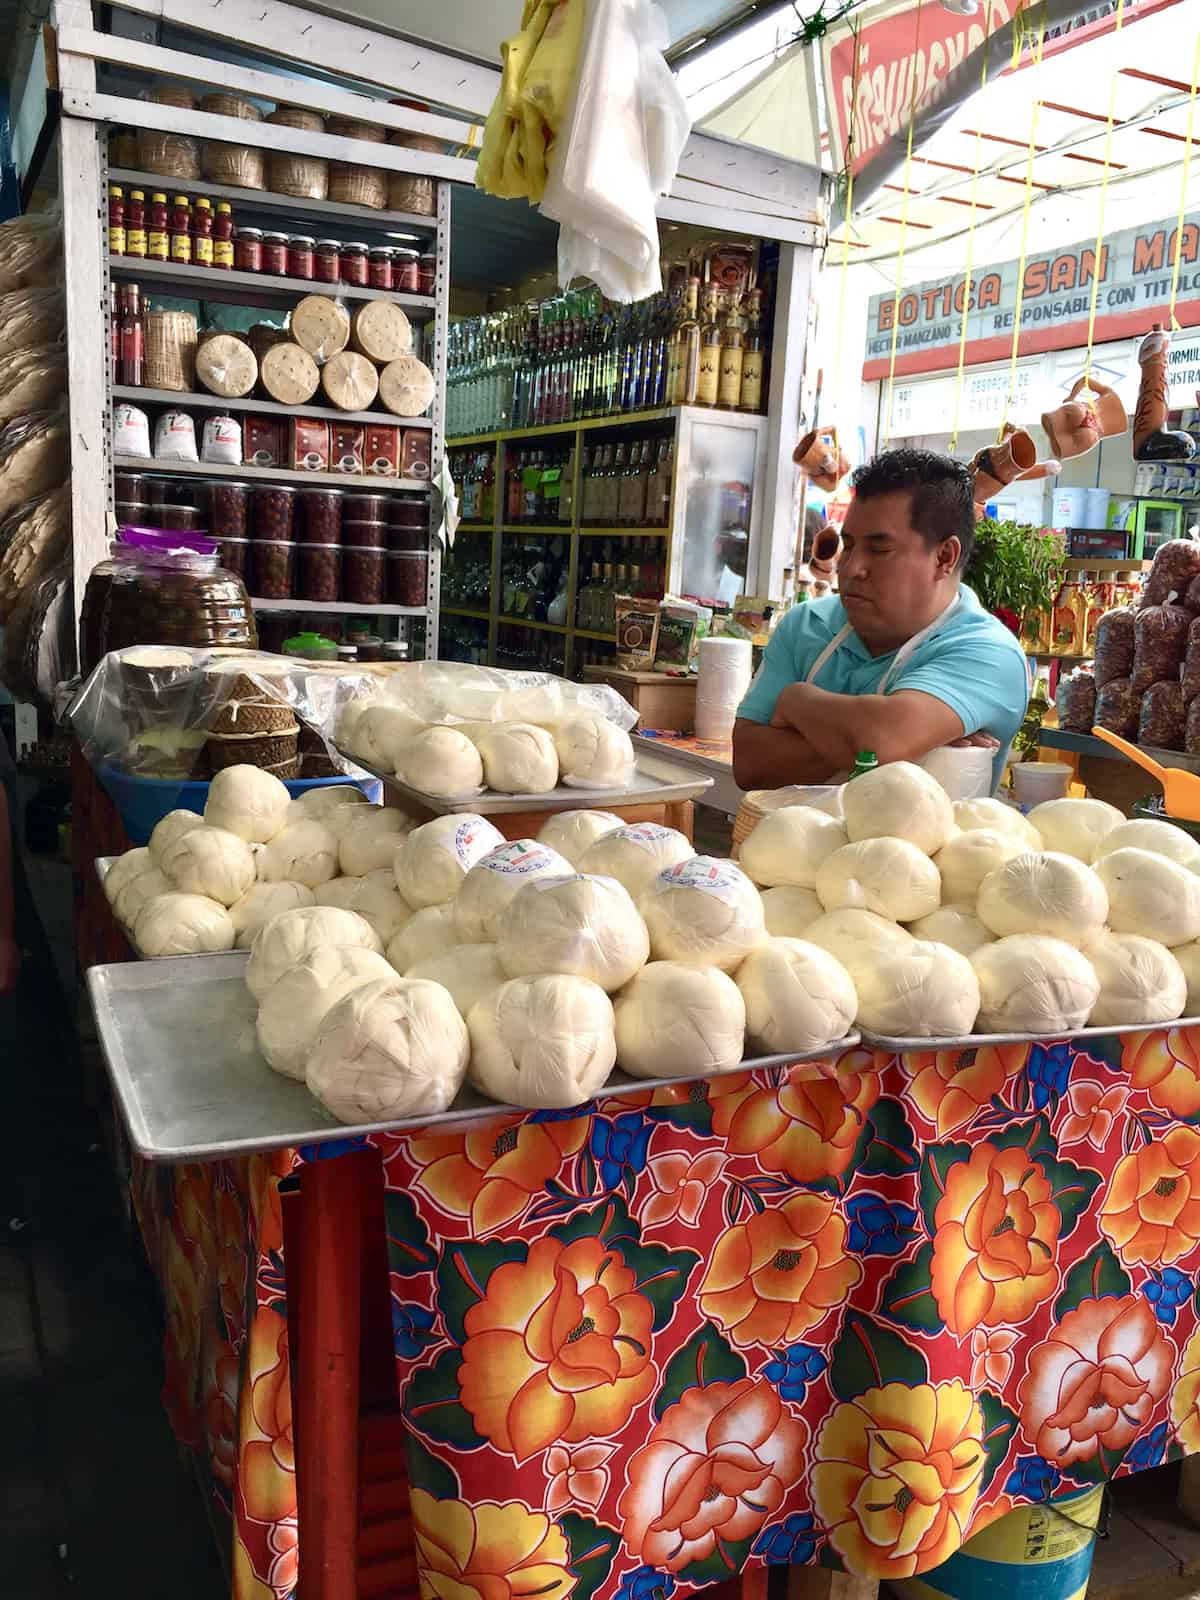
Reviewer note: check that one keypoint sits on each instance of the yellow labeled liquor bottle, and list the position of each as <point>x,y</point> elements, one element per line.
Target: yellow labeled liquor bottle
<point>709,378</point>
<point>729,389</point>
<point>753,357</point>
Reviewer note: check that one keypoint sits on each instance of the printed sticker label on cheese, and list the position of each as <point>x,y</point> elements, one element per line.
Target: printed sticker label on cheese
<point>519,859</point>
<point>473,839</point>
<point>647,834</point>
<point>719,878</point>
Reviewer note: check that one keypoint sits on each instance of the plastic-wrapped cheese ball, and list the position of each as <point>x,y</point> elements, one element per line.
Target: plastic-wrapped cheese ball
<point>797,997</point>
<point>704,912</point>
<point>249,802</point>
<point>573,832</point>
<point>303,852</point>
<point>146,886</point>
<point>440,762</point>
<point>433,860</point>
<point>373,896</point>
<point>997,818</point>
<point>287,939</point>
<point>182,925</point>
<point>1140,980</point>
<point>1075,827</point>
<point>315,805</point>
<point>518,758</point>
<point>1029,983</point>
<point>390,1049</point>
<point>788,846</point>
<point>293,1010</point>
<point>965,861</point>
<point>1044,892</point>
<point>1143,833</point>
<point>1150,895</point>
<point>898,801</point>
<point>543,1043</point>
<point>1188,957</point>
<point>889,876</point>
<point>593,753</point>
<point>672,1020</point>
<point>212,862</point>
<point>429,932</point>
<point>789,911</point>
<point>346,734</point>
<point>924,991</point>
<point>635,855</point>
<point>260,903</point>
<point>581,926</point>
<point>169,828</point>
<point>125,869</point>
<point>468,973</point>
<point>854,937</point>
<point>492,882</point>
<point>956,926</point>
<point>368,841</point>
<point>381,730</point>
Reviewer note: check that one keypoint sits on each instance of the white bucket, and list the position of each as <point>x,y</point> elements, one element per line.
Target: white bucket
<point>1068,508</point>
<point>1035,781</point>
<point>725,667</point>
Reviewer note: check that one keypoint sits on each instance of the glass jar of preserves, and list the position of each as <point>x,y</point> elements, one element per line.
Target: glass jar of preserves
<point>326,263</point>
<point>426,272</point>
<point>275,254</point>
<point>406,276</point>
<point>300,256</point>
<point>352,264</point>
<point>379,268</point>
<point>248,250</point>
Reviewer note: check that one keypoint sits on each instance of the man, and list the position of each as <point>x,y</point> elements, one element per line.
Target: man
<point>903,659</point>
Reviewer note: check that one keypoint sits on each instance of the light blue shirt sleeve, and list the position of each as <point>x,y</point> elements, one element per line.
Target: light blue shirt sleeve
<point>778,669</point>
<point>983,681</point>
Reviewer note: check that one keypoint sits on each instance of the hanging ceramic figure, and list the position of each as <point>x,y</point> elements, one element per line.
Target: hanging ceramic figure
<point>1077,426</point>
<point>818,456</point>
<point>1152,439</point>
<point>1001,464</point>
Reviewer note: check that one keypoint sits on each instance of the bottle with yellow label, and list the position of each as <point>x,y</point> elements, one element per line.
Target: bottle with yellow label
<point>708,379</point>
<point>753,356</point>
<point>158,236</point>
<point>729,390</point>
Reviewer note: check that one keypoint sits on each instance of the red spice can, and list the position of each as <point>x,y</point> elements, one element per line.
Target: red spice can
<point>275,254</point>
<point>300,256</point>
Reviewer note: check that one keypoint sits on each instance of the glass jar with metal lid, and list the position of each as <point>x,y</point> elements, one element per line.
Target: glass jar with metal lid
<point>275,254</point>
<point>380,268</point>
<point>300,262</point>
<point>326,262</point>
<point>353,266</point>
<point>406,275</point>
<point>248,250</point>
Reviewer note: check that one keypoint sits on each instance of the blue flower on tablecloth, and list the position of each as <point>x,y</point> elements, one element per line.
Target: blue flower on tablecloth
<point>1148,1452</point>
<point>879,1227</point>
<point>1048,1069</point>
<point>411,1326</point>
<point>1167,1290</point>
<point>794,1368</point>
<point>645,1583</point>
<point>1033,1478</point>
<point>331,1148</point>
<point>619,1147</point>
<point>794,1540</point>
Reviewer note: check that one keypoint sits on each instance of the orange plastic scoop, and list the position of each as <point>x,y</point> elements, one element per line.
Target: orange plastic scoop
<point>1181,790</point>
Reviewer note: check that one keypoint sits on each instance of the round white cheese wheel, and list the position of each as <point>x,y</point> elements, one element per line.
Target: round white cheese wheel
<point>260,903</point>
<point>381,331</point>
<point>1044,892</point>
<point>171,827</point>
<point>787,847</point>
<point>212,862</point>
<point>898,801</point>
<point>573,832</point>
<point>467,973</point>
<point>289,374</point>
<point>1075,827</point>
<point>182,925</point>
<point>1029,983</point>
<point>1143,833</point>
<point>998,818</point>
<point>1188,957</point>
<point>320,325</point>
<point>1140,980</point>
<point>544,1043</point>
<point>924,991</point>
<point>594,753</point>
<point>246,801</point>
<point>125,869</point>
<point>956,926</point>
<point>798,997</point>
<point>635,855</point>
<point>285,941</point>
<point>346,728</point>
<point>373,896</point>
<point>965,861</point>
<point>581,926</point>
<point>518,758</point>
<point>428,932</point>
<point>314,805</point>
<point>673,1020</point>
<point>227,366</point>
<point>787,911</point>
<point>1150,895</point>
<point>369,840</point>
<point>491,884</point>
<point>853,936</point>
<point>146,886</point>
<point>889,876</point>
<point>293,1010</point>
<point>406,387</point>
<point>303,852</point>
<point>390,1049</point>
<point>350,381</point>
<point>433,860</point>
<point>381,730</point>
<point>440,762</point>
<point>704,912</point>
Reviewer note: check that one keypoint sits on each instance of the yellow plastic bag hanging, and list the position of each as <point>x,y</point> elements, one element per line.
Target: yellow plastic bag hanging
<point>540,63</point>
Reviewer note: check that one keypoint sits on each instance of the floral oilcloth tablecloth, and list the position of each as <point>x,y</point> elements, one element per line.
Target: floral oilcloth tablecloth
<point>849,1313</point>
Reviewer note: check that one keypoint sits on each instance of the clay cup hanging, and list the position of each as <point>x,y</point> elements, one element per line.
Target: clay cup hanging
<point>819,457</point>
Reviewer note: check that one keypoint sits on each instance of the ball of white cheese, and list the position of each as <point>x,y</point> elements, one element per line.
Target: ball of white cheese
<point>1188,957</point>
<point>518,758</point>
<point>924,991</point>
<point>1140,980</point>
<point>440,762</point>
<point>427,933</point>
<point>289,938</point>
<point>303,852</point>
<point>788,846</point>
<point>182,925</point>
<point>260,903</point>
<point>1150,895</point>
<point>1075,827</point>
<point>798,997</point>
<point>788,911</point>
<point>572,832</point>
<point>467,973</point>
<point>898,801</point>
<point>433,860</point>
<point>171,827</point>
<point>125,869</point>
<point>373,896</point>
<point>593,753</point>
<point>889,876</point>
<point>293,1010</point>
<point>672,1020</point>
<point>854,937</point>
<point>1143,833</point>
<point>997,818</point>
<point>314,805</point>
<point>212,862</point>
<point>146,886</point>
<point>249,802</point>
<point>368,841</point>
<point>544,1043</point>
<point>390,1049</point>
<point>578,925</point>
<point>493,881</point>
<point>1029,983</point>
<point>965,861</point>
<point>1044,892</point>
<point>956,926</point>
<point>383,729</point>
<point>704,912</point>
<point>635,855</point>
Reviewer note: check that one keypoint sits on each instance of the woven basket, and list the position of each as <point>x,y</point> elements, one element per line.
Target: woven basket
<point>303,177</point>
<point>321,766</point>
<point>253,711</point>
<point>349,128</point>
<point>264,336</point>
<point>169,155</point>
<point>171,350</point>
<point>253,749</point>
<point>221,104</point>
<point>283,770</point>
<point>759,803</point>
<point>122,148</point>
<point>172,94</point>
<point>352,185</point>
<point>408,192</point>
<point>234,164</point>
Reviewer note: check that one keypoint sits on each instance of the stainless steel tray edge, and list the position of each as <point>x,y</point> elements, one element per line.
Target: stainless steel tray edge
<point>977,1041</point>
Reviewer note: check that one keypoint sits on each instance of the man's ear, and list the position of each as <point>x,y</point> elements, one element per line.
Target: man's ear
<point>949,554</point>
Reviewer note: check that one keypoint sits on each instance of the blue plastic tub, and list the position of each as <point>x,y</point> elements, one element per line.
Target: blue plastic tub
<point>143,802</point>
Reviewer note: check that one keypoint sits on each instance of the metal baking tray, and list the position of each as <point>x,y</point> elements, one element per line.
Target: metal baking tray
<point>181,1051</point>
<point>655,781</point>
<point>103,866</point>
<point>977,1041</point>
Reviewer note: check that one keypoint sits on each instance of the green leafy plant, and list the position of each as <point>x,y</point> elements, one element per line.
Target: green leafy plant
<point>1016,567</point>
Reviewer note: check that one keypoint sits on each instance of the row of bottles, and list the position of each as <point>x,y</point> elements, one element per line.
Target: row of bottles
<point>467,572</point>
<point>463,639</point>
<point>474,475</point>
<point>622,567</point>
<point>591,653</point>
<point>626,484</point>
<point>534,573</point>
<point>622,483</point>
<point>530,650</point>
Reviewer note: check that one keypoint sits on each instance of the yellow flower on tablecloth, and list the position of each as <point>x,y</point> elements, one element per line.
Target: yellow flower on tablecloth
<point>1093,1114</point>
<point>991,1357</point>
<point>491,1173</point>
<point>772,1278</point>
<point>1166,1064</point>
<point>577,1475</point>
<point>1185,1397</point>
<point>488,1551</point>
<point>809,1125</point>
<point>284,1543</point>
<point>1150,1211</point>
<point>717,1464</point>
<point>558,1349</point>
<point>897,1476</point>
<point>949,1087</point>
<point>681,1186</point>
<point>268,1475</point>
<point>996,1240</point>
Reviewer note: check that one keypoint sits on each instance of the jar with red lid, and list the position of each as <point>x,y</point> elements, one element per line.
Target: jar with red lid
<point>248,250</point>
<point>426,273</point>
<point>363,575</point>
<point>353,266</point>
<point>275,254</point>
<point>300,262</point>
<point>379,268</point>
<point>326,261</point>
<point>406,276</point>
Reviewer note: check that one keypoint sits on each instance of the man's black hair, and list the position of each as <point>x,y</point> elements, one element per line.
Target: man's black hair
<point>942,494</point>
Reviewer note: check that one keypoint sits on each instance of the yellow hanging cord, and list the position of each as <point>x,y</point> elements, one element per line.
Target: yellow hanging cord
<point>1020,37</point>
<point>912,117</point>
<point>1183,188</point>
<point>1097,258</point>
<point>856,30</point>
<point>969,276</point>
